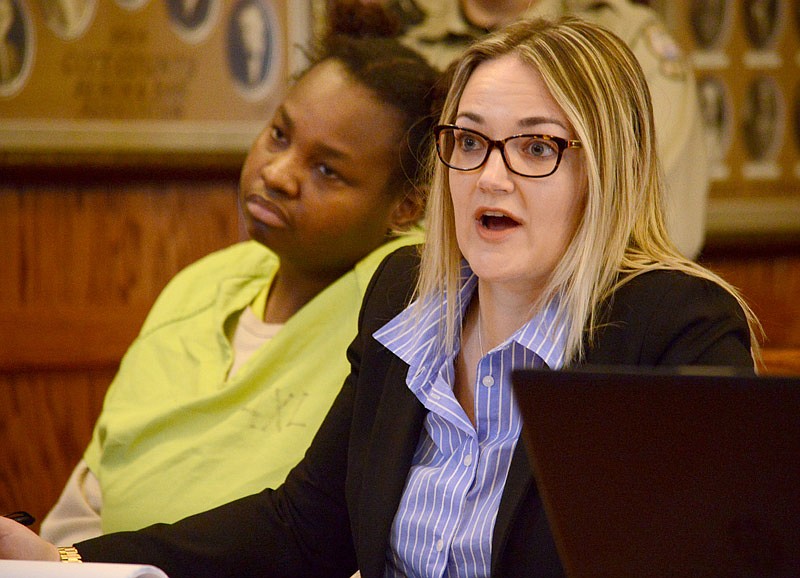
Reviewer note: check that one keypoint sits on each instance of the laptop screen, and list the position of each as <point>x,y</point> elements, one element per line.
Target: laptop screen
<point>680,472</point>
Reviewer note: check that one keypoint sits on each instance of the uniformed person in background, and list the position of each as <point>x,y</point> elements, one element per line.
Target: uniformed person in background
<point>450,25</point>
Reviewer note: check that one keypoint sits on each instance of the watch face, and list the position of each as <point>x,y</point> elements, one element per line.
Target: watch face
<point>761,21</point>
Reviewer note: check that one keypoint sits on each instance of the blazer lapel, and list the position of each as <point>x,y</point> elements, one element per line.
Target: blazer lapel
<point>518,484</point>
<point>395,435</point>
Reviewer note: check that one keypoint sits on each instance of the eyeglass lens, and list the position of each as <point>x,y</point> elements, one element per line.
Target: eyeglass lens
<point>527,154</point>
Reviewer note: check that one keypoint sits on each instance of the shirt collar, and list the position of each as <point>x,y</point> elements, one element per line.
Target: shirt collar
<point>415,334</point>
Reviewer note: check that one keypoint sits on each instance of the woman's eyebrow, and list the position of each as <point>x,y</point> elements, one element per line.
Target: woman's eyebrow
<point>526,122</point>
<point>539,120</point>
<point>331,152</point>
<point>284,116</point>
<point>320,148</point>
<point>474,117</point>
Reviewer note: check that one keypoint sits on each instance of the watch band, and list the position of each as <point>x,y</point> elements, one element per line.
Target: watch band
<point>69,554</point>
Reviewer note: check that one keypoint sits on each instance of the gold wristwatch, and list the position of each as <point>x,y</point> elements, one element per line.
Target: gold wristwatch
<point>69,554</point>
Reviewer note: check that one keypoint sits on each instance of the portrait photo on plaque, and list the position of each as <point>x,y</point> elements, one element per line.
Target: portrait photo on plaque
<point>193,20</point>
<point>251,46</point>
<point>17,45</point>
<point>763,119</point>
<point>69,19</point>
<point>797,117</point>
<point>716,112</point>
<point>761,19</point>
<point>167,83</point>
<point>797,17</point>
<point>709,20</point>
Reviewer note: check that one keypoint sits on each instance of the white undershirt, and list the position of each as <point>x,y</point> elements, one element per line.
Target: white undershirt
<point>250,334</point>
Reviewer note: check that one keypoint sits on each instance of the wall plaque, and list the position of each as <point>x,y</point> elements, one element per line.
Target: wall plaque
<point>746,56</point>
<point>142,81</point>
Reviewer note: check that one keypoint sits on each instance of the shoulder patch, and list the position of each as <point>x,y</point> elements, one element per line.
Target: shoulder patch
<point>664,47</point>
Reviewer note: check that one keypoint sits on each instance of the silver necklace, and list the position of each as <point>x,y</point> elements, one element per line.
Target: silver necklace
<point>480,336</point>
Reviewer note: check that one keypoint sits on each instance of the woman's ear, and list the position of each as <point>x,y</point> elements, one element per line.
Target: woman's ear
<point>410,210</point>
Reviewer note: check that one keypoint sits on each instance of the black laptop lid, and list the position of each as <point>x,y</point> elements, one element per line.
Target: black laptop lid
<point>692,472</point>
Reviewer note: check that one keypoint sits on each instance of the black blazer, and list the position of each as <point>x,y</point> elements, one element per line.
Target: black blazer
<point>334,513</point>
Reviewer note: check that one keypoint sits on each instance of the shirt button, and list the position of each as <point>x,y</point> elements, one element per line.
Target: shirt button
<point>468,460</point>
<point>439,545</point>
<point>487,380</point>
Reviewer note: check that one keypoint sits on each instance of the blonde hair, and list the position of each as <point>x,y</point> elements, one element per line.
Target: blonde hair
<point>599,84</point>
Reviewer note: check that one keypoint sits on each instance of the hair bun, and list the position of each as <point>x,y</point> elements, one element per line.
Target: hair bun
<point>362,19</point>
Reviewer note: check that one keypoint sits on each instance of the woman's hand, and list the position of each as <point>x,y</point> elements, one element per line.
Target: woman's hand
<point>19,543</point>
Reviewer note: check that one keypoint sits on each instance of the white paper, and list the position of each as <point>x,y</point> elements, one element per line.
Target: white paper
<point>25,569</point>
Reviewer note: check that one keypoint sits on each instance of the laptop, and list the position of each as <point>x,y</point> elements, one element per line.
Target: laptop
<point>679,473</point>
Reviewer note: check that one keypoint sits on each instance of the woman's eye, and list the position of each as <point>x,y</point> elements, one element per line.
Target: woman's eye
<point>277,135</point>
<point>541,148</point>
<point>327,171</point>
<point>468,142</point>
<point>275,140</point>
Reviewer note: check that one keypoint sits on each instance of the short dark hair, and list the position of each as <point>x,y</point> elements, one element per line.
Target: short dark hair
<point>397,75</point>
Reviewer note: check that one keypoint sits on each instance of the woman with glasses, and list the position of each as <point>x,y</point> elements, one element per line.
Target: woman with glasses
<point>545,247</point>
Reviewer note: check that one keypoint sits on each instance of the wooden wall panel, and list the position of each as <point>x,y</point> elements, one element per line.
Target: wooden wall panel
<point>47,420</point>
<point>87,260</point>
<point>109,243</point>
<point>771,284</point>
<point>81,262</point>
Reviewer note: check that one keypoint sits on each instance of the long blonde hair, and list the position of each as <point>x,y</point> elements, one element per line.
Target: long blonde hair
<point>599,84</point>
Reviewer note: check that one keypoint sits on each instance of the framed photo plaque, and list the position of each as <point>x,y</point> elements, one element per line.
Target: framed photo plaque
<point>137,82</point>
<point>746,57</point>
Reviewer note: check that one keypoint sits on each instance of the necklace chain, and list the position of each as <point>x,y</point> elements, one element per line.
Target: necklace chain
<point>480,336</point>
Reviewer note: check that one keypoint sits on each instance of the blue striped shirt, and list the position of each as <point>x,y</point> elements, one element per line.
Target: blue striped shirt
<point>445,521</point>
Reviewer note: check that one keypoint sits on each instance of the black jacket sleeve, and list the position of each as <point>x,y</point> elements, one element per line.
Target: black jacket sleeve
<point>299,529</point>
<point>672,319</point>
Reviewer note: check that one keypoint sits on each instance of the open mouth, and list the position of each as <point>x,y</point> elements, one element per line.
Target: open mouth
<point>497,221</point>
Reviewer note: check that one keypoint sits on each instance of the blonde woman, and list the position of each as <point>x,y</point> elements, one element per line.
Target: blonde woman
<point>546,247</point>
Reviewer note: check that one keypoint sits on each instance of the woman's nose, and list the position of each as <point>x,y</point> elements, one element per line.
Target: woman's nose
<point>281,173</point>
<point>495,176</point>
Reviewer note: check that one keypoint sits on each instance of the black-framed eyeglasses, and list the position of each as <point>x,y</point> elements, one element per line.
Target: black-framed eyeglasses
<point>528,155</point>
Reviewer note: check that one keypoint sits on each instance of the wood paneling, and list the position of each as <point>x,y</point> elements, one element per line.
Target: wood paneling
<point>785,361</point>
<point>107,243</point>
<point>84,262</point>
<point>46,421</point>
<point>81,262</point>
<point>771,284</point>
